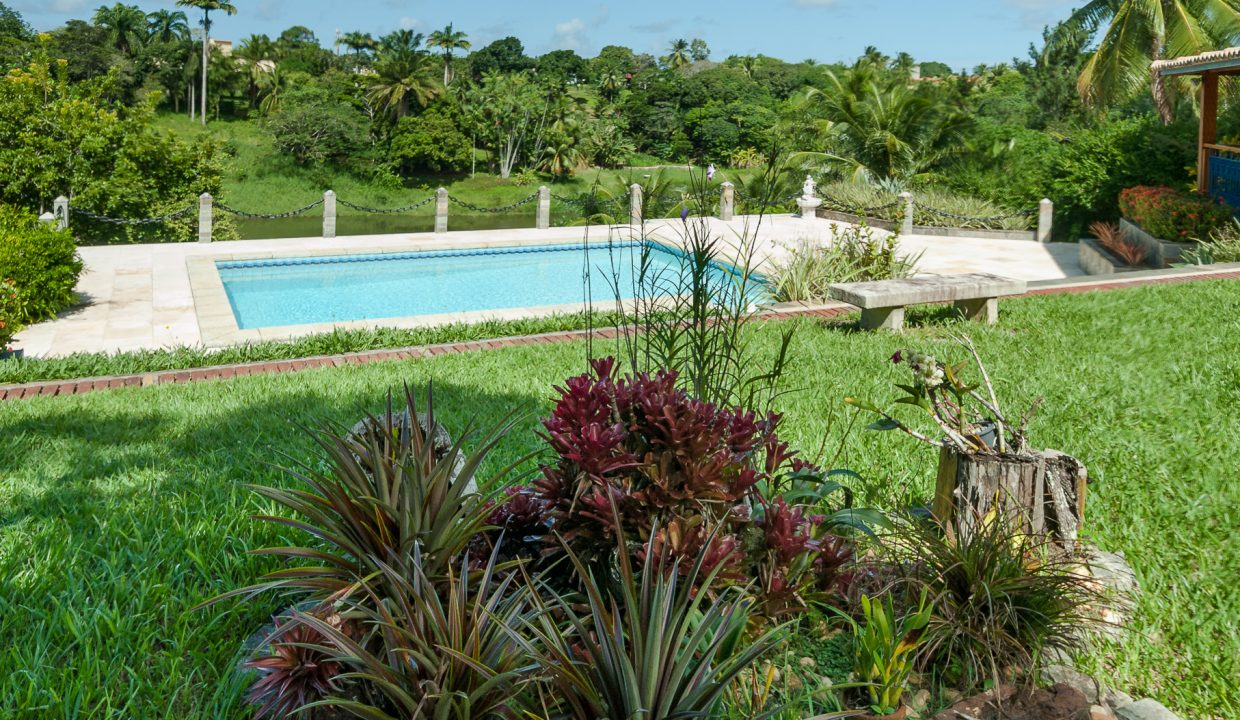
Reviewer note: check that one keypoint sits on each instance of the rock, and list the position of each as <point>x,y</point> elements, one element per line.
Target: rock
<point>1147,709</point>
<point>1068,675</point>
<point>1100,712</point>
<point>1115,698</point>
<point>919,701</point>
<point>807,662</point>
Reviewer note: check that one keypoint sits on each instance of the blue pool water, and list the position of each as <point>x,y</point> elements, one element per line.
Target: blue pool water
<point>297,291</point>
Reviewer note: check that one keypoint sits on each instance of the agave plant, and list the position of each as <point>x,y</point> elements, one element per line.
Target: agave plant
<point>437,649</point>
<point>650,645</point>
<point>390,494</point>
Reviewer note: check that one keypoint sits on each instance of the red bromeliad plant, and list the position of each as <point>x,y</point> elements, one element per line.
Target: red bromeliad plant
<point>636,453</point>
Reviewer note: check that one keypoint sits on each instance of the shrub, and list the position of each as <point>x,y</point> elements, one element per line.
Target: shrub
<point>430,142</point>
<point>640,459</point>
<point>41,261</point>
<point>1110,237</point>
<point>1000,599</point>
<point>10,313</point>
<point>1223,246</point>
<point>854,254</point>
<point>934,206</point>
<point>1169,214</point>
<point>314,127</point>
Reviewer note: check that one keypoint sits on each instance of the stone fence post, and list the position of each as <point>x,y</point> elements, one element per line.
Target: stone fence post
<point>906,222</point>
<point>60,208</point>
<point>204,218</point>
<point>329,214</point>
<point>543,220</point>
<point>635,204</point>
<point>1046,216</point>
<point>441,210</point>
<point>727,201</point>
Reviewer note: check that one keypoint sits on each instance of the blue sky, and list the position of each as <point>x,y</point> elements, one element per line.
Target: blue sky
<point>961,33</point>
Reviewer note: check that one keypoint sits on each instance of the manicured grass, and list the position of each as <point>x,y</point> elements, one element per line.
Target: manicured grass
<point>81,365</point>
<point>123,509</point>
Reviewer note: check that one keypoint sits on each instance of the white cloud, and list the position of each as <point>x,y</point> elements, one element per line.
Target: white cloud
<point>569,35</point>
<point>408,23</point>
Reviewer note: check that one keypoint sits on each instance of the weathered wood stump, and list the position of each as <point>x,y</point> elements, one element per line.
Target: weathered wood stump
<point>1043,493</point>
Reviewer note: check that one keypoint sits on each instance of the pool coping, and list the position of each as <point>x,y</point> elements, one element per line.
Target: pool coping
<point>218,327</point>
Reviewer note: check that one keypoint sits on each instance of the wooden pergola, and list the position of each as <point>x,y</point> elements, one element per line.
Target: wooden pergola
<point>1218,166</point>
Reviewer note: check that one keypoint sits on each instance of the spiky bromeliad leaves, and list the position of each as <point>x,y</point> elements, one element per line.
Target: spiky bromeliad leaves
<point>639,460</point>
<point>299,671</point>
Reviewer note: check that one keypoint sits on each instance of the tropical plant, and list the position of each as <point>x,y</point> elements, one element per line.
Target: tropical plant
<point>393,500</point>
<point>678,54</point>
<point>608,146</point>
<point>1222,246</point>
<point>401,80</point>
<point>651,645</point>
<point>512,116</point>
<point>610,83</point>
<point>448,40</point>
<point>853,254</point>
<point>438,648</point>
<point>1169,214</point>
<point>885,648</point>
<point>1111,237</point>
<point>401,42</point>
<point>40,262</point>
<point>1139,32</point>
<point>11,313</point>
<point>1002,599</point>
<point>167,26</point>
<point>299,670</point>
<point>639,458</point>
<point>126,26</point>
<point>360,43</point>
<point>207,7</point>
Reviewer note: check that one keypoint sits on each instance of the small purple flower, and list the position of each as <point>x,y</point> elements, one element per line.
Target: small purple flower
<point>710,172</point>
<point>684,213</point>
<point>897,357</point>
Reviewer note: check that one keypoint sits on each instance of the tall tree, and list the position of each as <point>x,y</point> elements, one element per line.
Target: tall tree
<point>361,44</point>
<point>1139,32</point>
<point>699,50</point>
<point>400,42</point>
<point>401,79</point>
<point>126,26</point>
<point>448,40</point>
<point>167,26</point>
<point>207,7</point>
<point>678,54</point>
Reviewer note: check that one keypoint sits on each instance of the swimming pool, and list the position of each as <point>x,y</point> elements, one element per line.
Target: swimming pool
<point>338,288</point>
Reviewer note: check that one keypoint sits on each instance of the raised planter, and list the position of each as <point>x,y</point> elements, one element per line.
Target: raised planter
<point>1097,260</point>
<point>1158,253</point>
<point>12,354</point>
<point>932,230</point>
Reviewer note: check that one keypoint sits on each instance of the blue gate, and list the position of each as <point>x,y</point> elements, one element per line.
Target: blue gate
<point>1225,179</point>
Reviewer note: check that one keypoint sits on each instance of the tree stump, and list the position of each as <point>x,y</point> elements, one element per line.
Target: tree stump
<point>1042,493</point>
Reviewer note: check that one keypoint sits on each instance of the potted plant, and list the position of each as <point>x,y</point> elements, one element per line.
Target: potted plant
<point>986,466</point>
<point>10,311</point>
<point>884,648</point>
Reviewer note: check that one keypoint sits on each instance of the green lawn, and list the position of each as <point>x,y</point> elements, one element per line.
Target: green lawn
<point>121,510</point>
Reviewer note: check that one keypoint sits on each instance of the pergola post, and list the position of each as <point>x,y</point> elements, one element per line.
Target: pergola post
<point>1208,130</point>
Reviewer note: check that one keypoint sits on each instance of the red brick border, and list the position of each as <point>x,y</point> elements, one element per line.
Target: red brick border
<point>224,372</point>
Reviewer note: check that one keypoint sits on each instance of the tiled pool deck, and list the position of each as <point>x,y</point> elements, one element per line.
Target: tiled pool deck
<point>166,295</point>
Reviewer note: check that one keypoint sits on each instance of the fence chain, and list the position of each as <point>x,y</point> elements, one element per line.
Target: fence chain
<point>268,216</point>
<point>127,221</point>
<point>388,211</point>
<point>502,208</point>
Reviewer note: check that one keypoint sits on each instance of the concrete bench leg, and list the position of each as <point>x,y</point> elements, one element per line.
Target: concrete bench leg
<point>984,310</point>
<point>891,318</point>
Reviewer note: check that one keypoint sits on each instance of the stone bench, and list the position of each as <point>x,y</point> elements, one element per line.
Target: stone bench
<point>882,302</point>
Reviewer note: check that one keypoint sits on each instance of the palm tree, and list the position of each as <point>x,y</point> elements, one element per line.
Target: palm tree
<point>748,64</point>
<point>400,79</point>
<point>678,55</point>
<point>400,42</point>
<point>447,40</point>
<point>358,42</point>
<point>207,6</point>
<point>1139,32</point>
<point>126,26</point>
<point>167,26</point>
<point>258,52</point>
<point>609,84</point>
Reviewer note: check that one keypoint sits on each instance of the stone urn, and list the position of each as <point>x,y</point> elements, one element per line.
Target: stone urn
<point>809,202</point>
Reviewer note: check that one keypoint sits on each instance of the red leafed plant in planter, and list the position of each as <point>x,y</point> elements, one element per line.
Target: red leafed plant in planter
<point>636,453</point>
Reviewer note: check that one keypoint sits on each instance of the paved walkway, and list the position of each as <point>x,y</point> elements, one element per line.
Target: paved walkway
<point>140,297</point>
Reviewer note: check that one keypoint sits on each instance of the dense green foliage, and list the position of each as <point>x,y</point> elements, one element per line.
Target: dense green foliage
<point>42,262</point>
<point>136,499</point>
